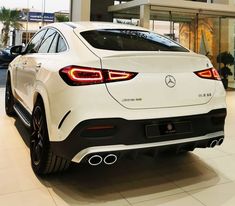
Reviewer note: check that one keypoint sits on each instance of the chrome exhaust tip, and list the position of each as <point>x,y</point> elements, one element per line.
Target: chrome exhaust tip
<point>220,141</point>
<point>213,143</point>
<point>110,159</point>
<point>95,160</point>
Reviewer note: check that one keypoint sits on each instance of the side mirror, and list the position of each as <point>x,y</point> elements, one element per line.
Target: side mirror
<point>16,50</point>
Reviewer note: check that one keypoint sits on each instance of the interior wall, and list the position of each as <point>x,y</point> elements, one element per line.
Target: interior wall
<point>80,10</point>
<point>99,10</point>
<point>94,10</point>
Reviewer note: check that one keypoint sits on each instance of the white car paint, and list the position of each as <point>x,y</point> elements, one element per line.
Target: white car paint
<point>144,97</point>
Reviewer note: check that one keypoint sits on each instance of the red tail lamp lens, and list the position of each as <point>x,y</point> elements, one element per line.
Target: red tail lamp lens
<point>114,76</point>
<point>205,74</point>
<point>81,76</point>
<point>74,75</point>
<point>85,75</point>
<point>211,73</point>
<point>216,74</point>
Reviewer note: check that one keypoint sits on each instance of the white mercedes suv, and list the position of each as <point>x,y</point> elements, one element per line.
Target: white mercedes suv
<point>95,92</point>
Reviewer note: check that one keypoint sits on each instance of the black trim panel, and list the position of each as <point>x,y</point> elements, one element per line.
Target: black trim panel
<point>62,120</point>
<point>130,132</point>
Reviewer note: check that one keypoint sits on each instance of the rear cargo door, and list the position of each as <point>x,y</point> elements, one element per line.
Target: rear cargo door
<point>163,80</point>
<point>165,69</point>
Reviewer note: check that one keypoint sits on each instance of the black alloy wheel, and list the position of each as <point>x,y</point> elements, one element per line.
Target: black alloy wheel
<point>38,144</point>
<point>43,160</point>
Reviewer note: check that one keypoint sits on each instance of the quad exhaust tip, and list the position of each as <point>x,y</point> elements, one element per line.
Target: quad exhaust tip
<point>95,160</point>
<point>213,143</point>
<point>110,159</point>
<point>220,141</point>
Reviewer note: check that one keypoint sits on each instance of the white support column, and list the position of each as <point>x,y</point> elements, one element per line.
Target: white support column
<point>80,10</point>
<point>145,16</point>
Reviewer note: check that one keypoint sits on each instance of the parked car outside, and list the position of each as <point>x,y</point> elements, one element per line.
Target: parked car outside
<point>96,92</point>
<point>6,57</point>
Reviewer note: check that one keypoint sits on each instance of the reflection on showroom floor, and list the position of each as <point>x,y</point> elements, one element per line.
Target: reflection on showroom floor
<point>203,177</point>
<point>231,86</point>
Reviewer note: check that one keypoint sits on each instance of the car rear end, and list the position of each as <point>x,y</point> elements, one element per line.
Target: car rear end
<point>148,95</point>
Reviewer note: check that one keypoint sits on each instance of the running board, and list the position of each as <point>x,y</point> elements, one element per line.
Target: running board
<point>23,114</point>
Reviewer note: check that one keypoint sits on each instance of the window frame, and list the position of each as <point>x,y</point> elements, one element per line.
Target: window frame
<point>26,48</point>
<point>46,28</point>
<point>59,32</point>
<point>58,44</point>
<point>43,40</point>
<point>54,39</point>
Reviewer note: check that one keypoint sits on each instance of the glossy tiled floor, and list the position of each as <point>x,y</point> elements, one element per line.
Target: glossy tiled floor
<point>204,177</point>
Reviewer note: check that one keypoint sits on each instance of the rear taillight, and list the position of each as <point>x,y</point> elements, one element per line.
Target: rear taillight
<point>117,75</point>
<point>216,74</point>
<point>211,73</point>
<point>75,75</point>
<point>81,75</point>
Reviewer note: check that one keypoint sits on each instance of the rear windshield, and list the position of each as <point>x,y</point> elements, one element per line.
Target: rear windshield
<point>130,40</point>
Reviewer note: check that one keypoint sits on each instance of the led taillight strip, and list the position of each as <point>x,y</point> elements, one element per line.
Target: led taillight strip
<point>75,75</point>
<point>210,73</point>
<point>114,75</point>
<point>85,75</point>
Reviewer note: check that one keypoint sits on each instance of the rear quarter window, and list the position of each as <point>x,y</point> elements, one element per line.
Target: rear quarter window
<point>130,40</point>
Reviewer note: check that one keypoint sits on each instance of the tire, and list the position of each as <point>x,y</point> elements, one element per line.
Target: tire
<point>43,160</point>
<point>9,98</point>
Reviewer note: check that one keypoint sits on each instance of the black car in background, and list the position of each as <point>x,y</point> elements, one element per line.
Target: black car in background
<point>6,57</point>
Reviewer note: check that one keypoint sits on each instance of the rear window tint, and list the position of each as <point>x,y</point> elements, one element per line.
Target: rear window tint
<point>130,40</point>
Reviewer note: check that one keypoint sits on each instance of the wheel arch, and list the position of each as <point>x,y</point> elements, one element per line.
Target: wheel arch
<point>41,93</point>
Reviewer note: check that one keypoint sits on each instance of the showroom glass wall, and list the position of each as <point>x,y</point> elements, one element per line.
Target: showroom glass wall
<point>205,34</point>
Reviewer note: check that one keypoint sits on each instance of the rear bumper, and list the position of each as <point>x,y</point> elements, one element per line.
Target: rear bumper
<point>124,135</point>
<point>188,143</point>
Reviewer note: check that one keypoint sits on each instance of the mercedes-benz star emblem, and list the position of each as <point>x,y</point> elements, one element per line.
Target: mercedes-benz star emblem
<point>170,81</point>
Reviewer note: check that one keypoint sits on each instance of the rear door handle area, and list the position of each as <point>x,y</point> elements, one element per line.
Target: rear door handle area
<point>38,65</point>
<point>22,65</point>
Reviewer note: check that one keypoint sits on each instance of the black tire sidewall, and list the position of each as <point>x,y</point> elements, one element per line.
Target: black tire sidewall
<point>9,105</point>
<point>41,166</point>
